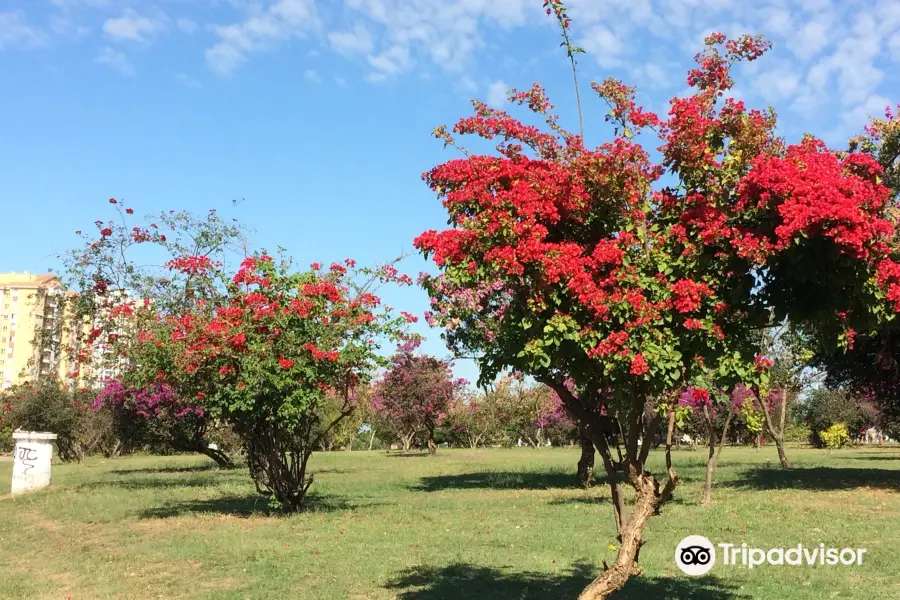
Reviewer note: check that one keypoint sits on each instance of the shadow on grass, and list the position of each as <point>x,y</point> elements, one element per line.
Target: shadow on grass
<point>498,480</point>
<point>816,478</point>
<point>173,469</point>
<point>149,483</point>
<point>895,456</point>
<point>243,506</point>
<point>607,501</point>
<point>409,455</point>
<point>483,583</point>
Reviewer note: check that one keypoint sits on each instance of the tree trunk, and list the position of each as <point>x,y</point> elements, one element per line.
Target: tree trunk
<point>777,433</point>
<point>372,440</point>
<point>407,440</point>
<point>779,444</point>
<point>586,462</point>
<point>648,496</point>
<point>647,501</point>
<point>614,578</point>
<point>713,460</point>
<point>221,458</point>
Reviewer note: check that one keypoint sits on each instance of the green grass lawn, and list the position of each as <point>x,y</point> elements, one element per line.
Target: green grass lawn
<point>481,524</point>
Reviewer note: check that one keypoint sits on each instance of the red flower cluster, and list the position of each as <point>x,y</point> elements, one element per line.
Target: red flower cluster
<point>191,265</point>
<point>638,365</point>
<point>611,344</point>
<point>762,363</point>
<point>689,294</point>
<point>320,354</point>
<point>815,193</point>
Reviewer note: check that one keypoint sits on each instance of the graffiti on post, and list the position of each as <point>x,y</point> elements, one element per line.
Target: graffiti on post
<point>27,456</point>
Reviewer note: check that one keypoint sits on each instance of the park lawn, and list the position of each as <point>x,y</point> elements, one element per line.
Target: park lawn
<point>469,524</point>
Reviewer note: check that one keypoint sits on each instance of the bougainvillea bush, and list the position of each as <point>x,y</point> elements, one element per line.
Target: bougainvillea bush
<point>269,355</point>
<point>872,369</point>
<point>635,278</point>
<point>156,418</point>
<point>49,405</point>
<point>125,274</point>
<point>415,395</point>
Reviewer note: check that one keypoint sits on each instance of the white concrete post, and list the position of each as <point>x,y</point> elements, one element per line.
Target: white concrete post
<point>31,462</point>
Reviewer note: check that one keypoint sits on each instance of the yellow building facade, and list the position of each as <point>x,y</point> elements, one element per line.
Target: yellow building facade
<point>31,332</point>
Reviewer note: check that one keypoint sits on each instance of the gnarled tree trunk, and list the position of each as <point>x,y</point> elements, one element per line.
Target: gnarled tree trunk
<point>432,447</point>
<point>407,439</point>
<point>601,429</point>
<point>713,461</point>
<point>647,501</point>
<point>630,539</point>
<point>221,458</point>
<point>586,462</point>
<point>776,430</point>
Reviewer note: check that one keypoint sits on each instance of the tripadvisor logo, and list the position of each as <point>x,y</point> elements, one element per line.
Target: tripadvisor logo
<point>696,555</point>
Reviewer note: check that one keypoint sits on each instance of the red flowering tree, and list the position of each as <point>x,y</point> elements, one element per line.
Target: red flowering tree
<point>267,355</point>
<point>576,263</point>
<point>872,368</point>
<point>415,395</point>
<point>125,273</point>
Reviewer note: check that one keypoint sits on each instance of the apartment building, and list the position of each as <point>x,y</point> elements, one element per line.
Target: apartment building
<point>30,308</point>
<point>39,336</point>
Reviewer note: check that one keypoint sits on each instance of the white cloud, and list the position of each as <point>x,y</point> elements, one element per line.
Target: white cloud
<point>496,95</point>
<point>73,3</point>
<point>603,45</point>
<point>829,54</point>
<point>281,20</point>
<point>355,41</point>
<point>65,27</point>
<point>340,81</point>
<point>312,76</point>
<point>810,39</point>
<point>853,65</point>
<point>815,5</point>
<point>656,75</point>
<point>808,101</point>
<point>468,84</point>
<point>779,22</point>
<point>186,25</point>
<point>116,61</point>
<point>446,33</point>
<point>392,61</point>
<point>777,83</point>
<point>131,26</point>
<point>853,120</point>
<point>187,81</point>
<point>15,31</point>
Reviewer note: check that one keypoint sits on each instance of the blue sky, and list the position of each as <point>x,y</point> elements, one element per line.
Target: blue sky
<point>318,113</point>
